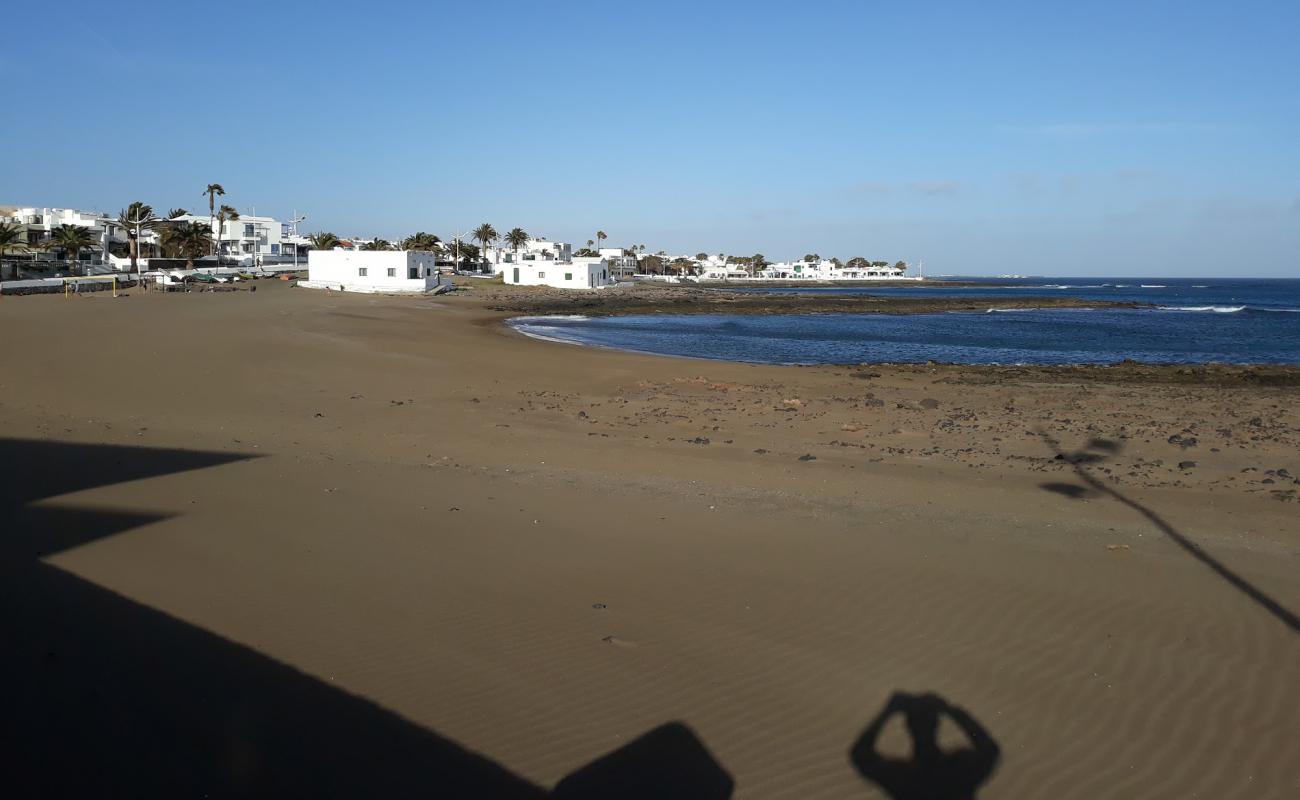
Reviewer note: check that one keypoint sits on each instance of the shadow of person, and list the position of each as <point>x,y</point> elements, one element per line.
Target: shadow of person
<point>931,773</point>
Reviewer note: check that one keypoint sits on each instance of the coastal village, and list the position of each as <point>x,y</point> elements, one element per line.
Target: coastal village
<point>50,249</point>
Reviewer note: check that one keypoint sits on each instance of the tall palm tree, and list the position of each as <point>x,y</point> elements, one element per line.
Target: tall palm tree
<point>187,240</point>
<point>13,238</point>
<point>127,218</point>
<point>485,235</point>
<point>324,241</point>
<point>214,191</point>
<point>600,237</point>
<point>516,238</point>
<point>378,244</point>
<point>177,212</point>
<point>224,213</point>
<point>71,239</point>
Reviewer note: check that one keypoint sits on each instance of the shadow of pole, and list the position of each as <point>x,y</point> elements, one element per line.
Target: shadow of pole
<point>1079,460</point>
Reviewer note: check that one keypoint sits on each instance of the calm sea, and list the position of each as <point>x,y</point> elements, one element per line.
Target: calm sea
<point>1191,321</point>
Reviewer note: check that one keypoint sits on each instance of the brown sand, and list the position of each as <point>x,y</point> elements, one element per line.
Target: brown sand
<point>540,552</point>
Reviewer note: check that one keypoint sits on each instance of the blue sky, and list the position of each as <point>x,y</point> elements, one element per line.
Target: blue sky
<point>1139,138</point>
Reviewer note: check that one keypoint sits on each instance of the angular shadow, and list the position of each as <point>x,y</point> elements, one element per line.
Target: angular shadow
<point>669,761</point>
<point>1095,451</point>
<point>929,772</point>
<point>112,698</point>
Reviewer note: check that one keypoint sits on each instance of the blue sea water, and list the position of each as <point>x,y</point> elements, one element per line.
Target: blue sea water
<point>1190,321</point>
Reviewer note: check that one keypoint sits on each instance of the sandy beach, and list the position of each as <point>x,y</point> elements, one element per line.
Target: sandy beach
<point>291,542</point>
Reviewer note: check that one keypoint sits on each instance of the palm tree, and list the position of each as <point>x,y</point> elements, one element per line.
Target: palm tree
<point>224,213</point>
<point>187,240</point>
<point>485,235</point>
<point>177,212</point>
<point>516,238</point>
<point>324,241</point>
<point>134,218</point>
<point>590,242</point>
<point>213,191</point>
<point>600,237</point>
<point>378,244</point>
<point>13,238</point>
<point>71,239</point>
<point>425,242</point>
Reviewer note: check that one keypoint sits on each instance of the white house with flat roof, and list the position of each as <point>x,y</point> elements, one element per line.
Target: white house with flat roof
<point>371,271</point>
<point>536,249</point>
<point>576,273</point>
<point>621,261</point>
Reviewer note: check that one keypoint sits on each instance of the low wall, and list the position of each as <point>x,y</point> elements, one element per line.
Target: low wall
<point>55,285</point>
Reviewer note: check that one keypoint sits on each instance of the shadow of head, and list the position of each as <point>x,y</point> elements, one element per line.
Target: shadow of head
<point>669,761</point>
<point>930,771</point>
<point>1070,490</point>
<point>1095,451</point>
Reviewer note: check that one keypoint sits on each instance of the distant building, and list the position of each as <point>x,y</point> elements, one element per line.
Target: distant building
<point>536,249</point>
<point>576,273</point>
<point>371,271</point>
<point>247,241</point>
<point>622,263</point>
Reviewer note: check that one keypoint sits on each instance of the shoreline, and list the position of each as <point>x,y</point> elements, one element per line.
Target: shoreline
<point>512,303</point>
<point>1123,371</point>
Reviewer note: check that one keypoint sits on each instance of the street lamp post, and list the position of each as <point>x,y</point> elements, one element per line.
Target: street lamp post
<point>139,223</point>
<point>293,232</point>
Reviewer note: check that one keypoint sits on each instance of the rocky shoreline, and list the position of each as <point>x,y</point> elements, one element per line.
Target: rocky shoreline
<point>643,299</point>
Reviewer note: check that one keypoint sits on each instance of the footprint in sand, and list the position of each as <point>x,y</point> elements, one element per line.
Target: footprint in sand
<point>614,640</point>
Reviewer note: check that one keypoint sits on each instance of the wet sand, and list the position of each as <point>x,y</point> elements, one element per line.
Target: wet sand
<point>397,534</point>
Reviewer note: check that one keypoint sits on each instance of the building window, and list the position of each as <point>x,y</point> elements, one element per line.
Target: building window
<point>361,272</point>
<point>392,272</point>
<point>248,248</point>
<point>568,276</point>
<point>275,249</point>
<point>413,273</point>
<point>248,230</point>
<point>541,275</point>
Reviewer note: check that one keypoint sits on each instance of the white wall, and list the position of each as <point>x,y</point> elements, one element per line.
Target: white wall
<point>342,269</point>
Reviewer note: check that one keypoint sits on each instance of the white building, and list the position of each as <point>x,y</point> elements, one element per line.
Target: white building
<point>245,242</point>
<point>371,271</point>
<point>621,262</point>
<point>576,273</point>
<point>40,223</point>
<point>248,241</point>
<point>536,249</point>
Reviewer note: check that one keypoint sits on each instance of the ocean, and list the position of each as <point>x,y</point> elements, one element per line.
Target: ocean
<point>1191,321</point>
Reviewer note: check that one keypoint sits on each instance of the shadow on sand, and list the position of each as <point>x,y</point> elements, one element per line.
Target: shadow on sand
<point>110,698</point>
<point>930,772</point>
<point>1097,451</point>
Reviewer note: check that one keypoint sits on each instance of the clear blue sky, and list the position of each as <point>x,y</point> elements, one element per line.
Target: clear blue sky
<point>1106,138</point>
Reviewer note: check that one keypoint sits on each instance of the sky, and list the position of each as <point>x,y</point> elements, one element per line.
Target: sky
<point>1039,138</point>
